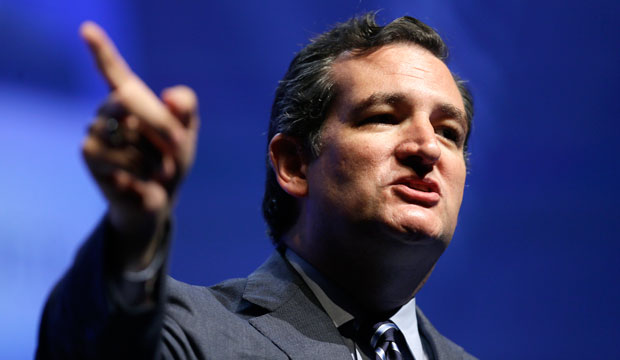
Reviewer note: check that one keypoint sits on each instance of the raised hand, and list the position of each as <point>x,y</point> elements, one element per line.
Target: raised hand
<point>138,149</point>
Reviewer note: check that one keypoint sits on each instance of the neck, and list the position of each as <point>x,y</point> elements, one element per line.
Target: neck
<point>380,275</point>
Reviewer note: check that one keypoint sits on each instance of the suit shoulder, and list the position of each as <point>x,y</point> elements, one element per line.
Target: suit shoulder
<point>228,293</point>
<point>227,286</point>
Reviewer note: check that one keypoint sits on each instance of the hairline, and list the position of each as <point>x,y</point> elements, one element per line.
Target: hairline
<point>315,143</point>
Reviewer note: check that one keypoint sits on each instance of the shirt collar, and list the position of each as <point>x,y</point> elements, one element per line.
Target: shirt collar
<point>321,287</point>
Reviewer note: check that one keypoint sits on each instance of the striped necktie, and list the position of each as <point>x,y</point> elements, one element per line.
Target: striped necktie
<point>383,341</point>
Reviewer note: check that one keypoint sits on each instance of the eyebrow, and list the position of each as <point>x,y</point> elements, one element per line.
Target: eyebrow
<point>446,110</point>
<point>451,111</point>
<point>377,99</point>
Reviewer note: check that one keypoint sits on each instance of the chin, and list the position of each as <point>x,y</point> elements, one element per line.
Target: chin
<point>422,235</point>
<point>407,233</point>
<point>422,230</point>
<point>419,221</point>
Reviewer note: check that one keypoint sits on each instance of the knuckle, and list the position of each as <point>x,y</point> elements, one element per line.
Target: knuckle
<point>112,106</point>
<point>178,138</point>
<point>128,90</point>
<point>89,147</point>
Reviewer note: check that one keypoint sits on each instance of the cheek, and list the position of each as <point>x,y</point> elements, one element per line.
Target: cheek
<point>455,176</point>
<point>364,163</point>
<point>354,170</point>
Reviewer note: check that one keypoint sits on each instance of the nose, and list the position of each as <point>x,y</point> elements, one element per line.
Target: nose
<point>419,147</point>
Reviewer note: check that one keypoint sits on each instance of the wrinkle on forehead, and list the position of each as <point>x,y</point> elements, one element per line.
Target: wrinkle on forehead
<point>411,75</point>
<point>418,67</point>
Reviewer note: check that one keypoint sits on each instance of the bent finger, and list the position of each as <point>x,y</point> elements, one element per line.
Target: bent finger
<point>126,188</point>
<point>103,160</point>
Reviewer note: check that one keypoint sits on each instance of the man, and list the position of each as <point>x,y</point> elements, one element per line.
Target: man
<point>366,171</point>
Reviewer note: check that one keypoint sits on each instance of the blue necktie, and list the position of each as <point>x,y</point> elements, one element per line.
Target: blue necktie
<point>383,341</point>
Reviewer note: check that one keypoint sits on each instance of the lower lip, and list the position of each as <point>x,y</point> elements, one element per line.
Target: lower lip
<point>414,196</point>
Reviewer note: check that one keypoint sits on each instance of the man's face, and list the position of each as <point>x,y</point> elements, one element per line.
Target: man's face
<point>391,160</point>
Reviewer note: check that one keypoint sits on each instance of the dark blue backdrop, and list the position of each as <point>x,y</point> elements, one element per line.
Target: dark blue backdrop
<point>531,272</point>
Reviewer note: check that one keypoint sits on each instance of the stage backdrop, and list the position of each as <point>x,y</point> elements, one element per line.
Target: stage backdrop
<point>532,270</point>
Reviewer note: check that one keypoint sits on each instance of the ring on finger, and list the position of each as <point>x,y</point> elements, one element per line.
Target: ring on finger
<point>113,131</point>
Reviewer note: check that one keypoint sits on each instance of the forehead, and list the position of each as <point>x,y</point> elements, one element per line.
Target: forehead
<point>396,68</point>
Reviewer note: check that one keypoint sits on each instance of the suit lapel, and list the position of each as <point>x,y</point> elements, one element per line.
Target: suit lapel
<point>442,348</point>
<point>296,323</point>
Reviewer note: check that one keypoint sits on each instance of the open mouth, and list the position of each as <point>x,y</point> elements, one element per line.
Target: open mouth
<point>413,190</point>
<point>424,185</point>
<point>421,187</point>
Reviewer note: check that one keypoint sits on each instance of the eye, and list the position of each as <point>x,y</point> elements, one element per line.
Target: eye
<point>449,133</point>
<point>380,119</point>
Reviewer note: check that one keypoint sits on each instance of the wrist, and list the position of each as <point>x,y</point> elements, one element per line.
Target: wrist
<point>135,238</point>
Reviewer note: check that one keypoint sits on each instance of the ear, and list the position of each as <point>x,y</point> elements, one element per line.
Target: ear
<point>289,164</point>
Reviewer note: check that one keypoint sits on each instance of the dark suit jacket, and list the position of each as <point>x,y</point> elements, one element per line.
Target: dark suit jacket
<point>272,314</point>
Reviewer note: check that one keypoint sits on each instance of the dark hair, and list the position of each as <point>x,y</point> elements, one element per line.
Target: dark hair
<point>305,94</point>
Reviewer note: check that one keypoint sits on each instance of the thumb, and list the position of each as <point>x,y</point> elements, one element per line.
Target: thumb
<point>182,102</point>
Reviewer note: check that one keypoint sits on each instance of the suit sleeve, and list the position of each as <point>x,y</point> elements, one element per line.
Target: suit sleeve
<point>81,320</point>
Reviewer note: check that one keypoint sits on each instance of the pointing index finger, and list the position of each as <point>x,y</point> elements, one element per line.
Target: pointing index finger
<point>110,62</point>
<point>132,93</point>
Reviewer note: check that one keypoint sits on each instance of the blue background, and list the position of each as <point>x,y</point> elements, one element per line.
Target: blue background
<point>532,270</point>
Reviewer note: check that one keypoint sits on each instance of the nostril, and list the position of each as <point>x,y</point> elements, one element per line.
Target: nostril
<point>422,148</point>
<point>422,169</point>
<point>419,165</point>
